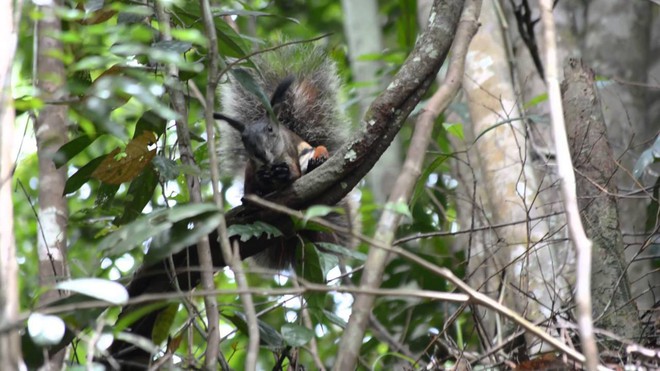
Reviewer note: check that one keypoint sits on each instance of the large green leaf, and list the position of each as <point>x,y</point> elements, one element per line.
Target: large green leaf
<point>82,176</point>
<point>181,235</point>
<point>138,195</point>
<point>151,225</point>
<point>254,230</point>
<point>72,148</point>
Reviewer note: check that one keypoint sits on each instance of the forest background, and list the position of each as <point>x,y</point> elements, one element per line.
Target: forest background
<point>461,255</point>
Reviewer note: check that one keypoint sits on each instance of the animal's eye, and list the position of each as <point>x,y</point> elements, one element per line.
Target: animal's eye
<point>270,129</point>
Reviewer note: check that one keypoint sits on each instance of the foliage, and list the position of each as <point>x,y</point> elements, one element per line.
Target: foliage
<point>128,200</point>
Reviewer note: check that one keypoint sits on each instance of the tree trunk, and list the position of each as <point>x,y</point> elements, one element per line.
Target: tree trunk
<point>525,271</point>
<point>594,165</point>
<point>10,346</point>
<point>51,133</point>
<point>617,47</point>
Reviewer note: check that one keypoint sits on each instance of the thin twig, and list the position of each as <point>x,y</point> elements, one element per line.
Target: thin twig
<point>203,246</point>
<point>565,171</point>
<point>233,260</point>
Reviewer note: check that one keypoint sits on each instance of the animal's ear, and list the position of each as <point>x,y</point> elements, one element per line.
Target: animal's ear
<point>280,92</point>
<point>234,123</point>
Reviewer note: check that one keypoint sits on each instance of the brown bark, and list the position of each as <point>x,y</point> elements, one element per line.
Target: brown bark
<point>616,45</point>
<point>594,166</point>
<point>51,132</point>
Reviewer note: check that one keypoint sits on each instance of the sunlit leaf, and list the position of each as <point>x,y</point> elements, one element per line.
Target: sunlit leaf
<point>119,167</point>
<point>455,129</point>
<point>45,330</point>
<point>536,100</point>
<point>97,288</point>
<point>317,211</point>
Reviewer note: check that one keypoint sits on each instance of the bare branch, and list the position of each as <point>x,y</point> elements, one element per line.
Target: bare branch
<point>565,170</point>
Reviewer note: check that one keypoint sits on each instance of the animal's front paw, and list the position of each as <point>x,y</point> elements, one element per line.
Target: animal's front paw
<point>320,156</point>
<point>281,172</point>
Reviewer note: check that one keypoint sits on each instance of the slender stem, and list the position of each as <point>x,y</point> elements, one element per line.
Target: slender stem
<point>567,176</point>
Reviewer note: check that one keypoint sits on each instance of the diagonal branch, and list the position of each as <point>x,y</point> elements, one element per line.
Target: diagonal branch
<point>349,348</point>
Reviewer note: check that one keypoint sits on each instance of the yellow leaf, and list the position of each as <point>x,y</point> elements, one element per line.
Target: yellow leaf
<point>118,167</point>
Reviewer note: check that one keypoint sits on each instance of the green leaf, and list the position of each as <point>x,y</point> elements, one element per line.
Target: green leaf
<point>399,207</point>
<point>311,270</point>
<point>327,262</point>
<point>190,35</point>
<point>421,184</point>
<point>71,149</point>
<point>268,336</point>
<point>97,288</point>
<point>167,169</point>
<point>230,43</point>
<point>341,250</point>
<point>332,317</point>
<point>105,195</point>
<point>27,103</point>
<point>139,341</point>
<point>255,230</point>
<point>148,226</point>
<point>455,129</point>
<point>536,100</point>
<point>45,330</point>
<point>163,323</point>
<point>296,335</point>
<point>127,319</point>
<point>150,121</point>
<point>181,235</point>
<point>173,46</point>
<point>138,195</point>
<point>248,83</point>
<point>82,176</point>
<point>317,211</point>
